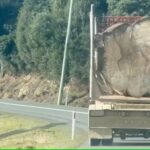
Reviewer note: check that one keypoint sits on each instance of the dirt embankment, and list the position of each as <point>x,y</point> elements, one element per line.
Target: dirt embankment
<point>36,88</point>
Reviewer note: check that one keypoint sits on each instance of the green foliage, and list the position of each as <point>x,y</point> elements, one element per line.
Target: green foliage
<point>79,40</point>
<point>8,14</point>
<point>8,51</point>
<point>41,32</point>
<point>37,37</point>
<point>129,7</point>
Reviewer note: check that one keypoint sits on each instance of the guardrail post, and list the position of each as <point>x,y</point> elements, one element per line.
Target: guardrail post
<point>73,124</point>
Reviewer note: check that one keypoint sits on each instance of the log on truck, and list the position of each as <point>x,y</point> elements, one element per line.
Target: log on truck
<point>126,58</point>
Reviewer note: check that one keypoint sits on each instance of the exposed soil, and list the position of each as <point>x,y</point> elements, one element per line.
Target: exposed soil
<point>38,89</point>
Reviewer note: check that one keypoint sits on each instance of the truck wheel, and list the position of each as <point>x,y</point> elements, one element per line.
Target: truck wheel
<point>95,142</point>
<point>107,142</point>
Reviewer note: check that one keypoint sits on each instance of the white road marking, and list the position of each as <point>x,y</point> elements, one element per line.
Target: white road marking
<point>48,108</point>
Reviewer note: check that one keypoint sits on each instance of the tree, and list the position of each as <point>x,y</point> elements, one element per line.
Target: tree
<point>79,44</point>
<point>41,32</point>
<point>8,17</point>
<point>129,7</point>
<point>36,37</point>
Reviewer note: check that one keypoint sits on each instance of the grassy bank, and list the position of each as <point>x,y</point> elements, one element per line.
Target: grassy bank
<point>24,132</point>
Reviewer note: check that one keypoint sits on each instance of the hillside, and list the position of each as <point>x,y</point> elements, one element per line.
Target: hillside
<point>32,37</point>
<point>37,88</point>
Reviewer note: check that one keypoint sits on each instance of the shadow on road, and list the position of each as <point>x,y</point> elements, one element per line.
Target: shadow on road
<point>19,131</point>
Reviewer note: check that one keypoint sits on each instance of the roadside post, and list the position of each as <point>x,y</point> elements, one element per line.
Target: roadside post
<point>73,124</point>
<point>67,96</point>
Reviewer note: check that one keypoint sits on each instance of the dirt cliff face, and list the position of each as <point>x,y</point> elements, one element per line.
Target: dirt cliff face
<point>127,57</point>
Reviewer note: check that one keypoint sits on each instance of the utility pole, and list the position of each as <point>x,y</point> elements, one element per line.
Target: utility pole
<point>91,50</point>
<point>65,55</point>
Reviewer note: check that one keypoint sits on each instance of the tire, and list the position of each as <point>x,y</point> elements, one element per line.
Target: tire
<point>107,142</point>
<point>95,142</point>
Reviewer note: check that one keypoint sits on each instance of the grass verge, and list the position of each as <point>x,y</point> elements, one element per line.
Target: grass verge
<point>25,132</point>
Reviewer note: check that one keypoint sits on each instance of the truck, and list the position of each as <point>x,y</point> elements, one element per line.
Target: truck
<point>113,115</point>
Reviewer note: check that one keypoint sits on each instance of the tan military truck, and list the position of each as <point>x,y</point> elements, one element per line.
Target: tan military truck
<point>113,110</point>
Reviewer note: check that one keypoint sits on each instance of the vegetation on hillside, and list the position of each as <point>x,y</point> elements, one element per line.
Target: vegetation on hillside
<point>32,34</point>
<point>129,7</point>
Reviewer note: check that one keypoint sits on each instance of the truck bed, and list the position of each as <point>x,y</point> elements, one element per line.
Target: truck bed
<point>124,99</point>
<point>119,115</point>
<point>116,102</point>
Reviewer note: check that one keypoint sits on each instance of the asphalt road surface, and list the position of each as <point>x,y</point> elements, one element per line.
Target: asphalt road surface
<point>63,114</point>
<point>48,112</point>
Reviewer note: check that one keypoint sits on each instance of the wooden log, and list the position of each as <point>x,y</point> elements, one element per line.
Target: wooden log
<point>127,57</point>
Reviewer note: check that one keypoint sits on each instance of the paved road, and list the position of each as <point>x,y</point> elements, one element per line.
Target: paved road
<point>63,114</point>
<point>46,111</point>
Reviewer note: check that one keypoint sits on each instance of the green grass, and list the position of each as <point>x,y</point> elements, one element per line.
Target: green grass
<point>10,122</point>
<point>27,132</point>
